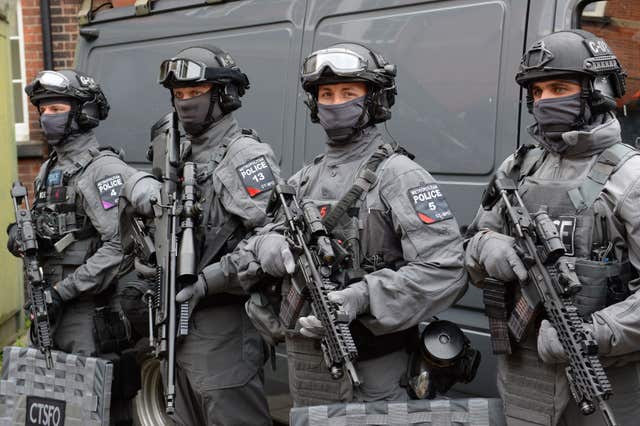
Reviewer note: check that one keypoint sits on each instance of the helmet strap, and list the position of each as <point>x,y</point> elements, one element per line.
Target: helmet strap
<point>73,115</point>
<point>585,95</point>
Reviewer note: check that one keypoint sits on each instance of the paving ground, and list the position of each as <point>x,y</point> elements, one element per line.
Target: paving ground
<point>279,406</point>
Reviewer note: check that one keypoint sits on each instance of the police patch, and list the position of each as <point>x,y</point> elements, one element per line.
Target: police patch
<point>429,203</point>
<point>567,229</point>
<point>54,178</point>
<point>109,189</point>
<point>256,176</point>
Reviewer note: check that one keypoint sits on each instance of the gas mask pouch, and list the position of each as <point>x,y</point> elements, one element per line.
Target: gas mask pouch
<point>445,357</point>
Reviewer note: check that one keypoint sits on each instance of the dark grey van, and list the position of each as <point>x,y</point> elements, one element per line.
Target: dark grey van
<point>458,108</point>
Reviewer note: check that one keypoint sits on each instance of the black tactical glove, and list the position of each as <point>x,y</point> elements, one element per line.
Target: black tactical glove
<point>13,244</point>
<point>54,304</point>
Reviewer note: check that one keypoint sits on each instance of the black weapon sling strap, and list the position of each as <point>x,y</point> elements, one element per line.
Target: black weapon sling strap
<point>364,181</point>
<point>214,242</point>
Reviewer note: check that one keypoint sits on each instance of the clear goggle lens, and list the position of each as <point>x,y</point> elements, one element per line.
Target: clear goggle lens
<point>181,70</point>
<point>52,80</point>
<point>339,60</point>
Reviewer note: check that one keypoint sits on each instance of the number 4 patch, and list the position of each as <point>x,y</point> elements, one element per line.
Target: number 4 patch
<point>429,203</point>
<point>256,176</point>
<point>109,189</point>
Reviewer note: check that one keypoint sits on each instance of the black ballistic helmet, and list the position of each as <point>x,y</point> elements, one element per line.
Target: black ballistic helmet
<point>88,103</point>
<point>196,65</point>
<point>577,55</point>
<point>344,62</point>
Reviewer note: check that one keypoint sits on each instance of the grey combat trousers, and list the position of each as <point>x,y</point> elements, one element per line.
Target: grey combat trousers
<point>311,384</point>
<point>74,334</point>
<point>219,376</point>
<point>537,394</point>
<point>74,329</point>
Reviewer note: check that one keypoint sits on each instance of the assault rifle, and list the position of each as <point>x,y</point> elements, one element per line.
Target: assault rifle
<point>551,284</point>
<point>174,245</point>
<point>38,296</point>
<point>315,254</point>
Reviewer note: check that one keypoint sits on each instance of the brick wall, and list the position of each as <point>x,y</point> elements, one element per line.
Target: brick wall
<point>64,32</point>
<point>622,34</point>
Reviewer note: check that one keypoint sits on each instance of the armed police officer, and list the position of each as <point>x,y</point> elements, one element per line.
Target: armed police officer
<point>76,194</point>
<point>403,240</point>
<point>589,182</point>
<point>219,377</point>
<point>75,210</point>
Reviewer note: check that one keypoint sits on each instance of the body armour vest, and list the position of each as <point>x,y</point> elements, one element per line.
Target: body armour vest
<point>66,236</point>
<point>584,222</point>
<point>369,237</point>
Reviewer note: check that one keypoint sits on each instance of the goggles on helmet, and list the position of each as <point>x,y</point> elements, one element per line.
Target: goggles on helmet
<point>51,81</point>
<point>188,71</point>
<point>183,70</point>
<point>343,62</point>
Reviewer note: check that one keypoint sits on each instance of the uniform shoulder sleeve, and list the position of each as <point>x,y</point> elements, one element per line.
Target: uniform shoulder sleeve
<point>244,179</point>
<point>101,183</point>
<point>413,195</point>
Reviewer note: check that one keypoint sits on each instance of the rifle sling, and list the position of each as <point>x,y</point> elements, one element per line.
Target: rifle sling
<point>364,181</point>
<point>214,242</point>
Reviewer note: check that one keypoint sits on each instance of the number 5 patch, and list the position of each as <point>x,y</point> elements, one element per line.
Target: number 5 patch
<point>256,176</point>
<point>430,204</point>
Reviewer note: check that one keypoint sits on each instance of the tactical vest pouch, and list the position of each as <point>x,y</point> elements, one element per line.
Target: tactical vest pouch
<point>260,311</point>
<point>111,330</point>
<point>77,390</point>
<point>310,382</point>
<point>603,283</point>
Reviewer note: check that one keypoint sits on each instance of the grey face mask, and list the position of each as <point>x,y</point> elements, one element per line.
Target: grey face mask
<point>557,116</point>
<point>54,127</point>
<point>196,114</point>
<point>342,121</point>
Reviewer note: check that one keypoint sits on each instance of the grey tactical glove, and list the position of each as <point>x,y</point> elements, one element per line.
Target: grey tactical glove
<point>549,346</point>
<point>211,280</point>
<point>352,301</point>
<point>495,252</point>
<point>143,270</point>
<point>142,193</point>
<point>193,293</point>
<point>311,327</point>
<point>274,255</point>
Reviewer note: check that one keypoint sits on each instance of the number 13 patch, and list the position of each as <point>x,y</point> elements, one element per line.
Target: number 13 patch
<point>430,204</point>
<point>256,176</point>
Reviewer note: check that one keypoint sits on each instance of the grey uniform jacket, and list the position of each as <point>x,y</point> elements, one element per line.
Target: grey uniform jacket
<point>425,274</point>
<point>428,275</point>
<point>617,326</point>
<point>226,162</point>
<point>97,186</point>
